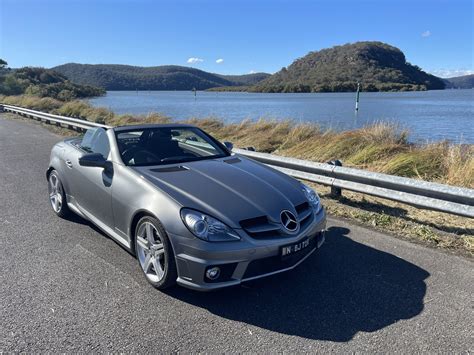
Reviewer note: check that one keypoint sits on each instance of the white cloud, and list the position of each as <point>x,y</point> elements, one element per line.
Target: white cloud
<point>220,61</point>
<point>194,60</point>
<point>450,73</point>
<point>427,33</point>
<point>252,72</point>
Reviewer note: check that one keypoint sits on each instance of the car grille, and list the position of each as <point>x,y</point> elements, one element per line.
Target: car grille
<point>276,263</point>
<point>261,228</point>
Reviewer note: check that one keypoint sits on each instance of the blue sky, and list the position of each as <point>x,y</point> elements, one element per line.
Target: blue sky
<point>246,35</point>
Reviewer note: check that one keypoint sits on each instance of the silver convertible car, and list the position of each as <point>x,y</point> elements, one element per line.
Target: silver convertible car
<point>191,211</point>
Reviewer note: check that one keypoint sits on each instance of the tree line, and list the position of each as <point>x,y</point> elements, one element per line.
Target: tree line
<point>42,82</point>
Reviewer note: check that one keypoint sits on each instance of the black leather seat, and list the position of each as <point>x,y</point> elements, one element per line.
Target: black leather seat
<point>161,144</point>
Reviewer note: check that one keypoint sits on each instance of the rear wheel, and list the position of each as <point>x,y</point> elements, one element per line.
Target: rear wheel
<point>155,253</point>
<point>57,197</point>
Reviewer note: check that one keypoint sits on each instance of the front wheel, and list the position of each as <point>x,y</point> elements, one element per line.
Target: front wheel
<point>57,196</point>
<point>155,253</point>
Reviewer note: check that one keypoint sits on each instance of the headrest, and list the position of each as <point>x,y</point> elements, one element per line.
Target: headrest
<point>160,135</point>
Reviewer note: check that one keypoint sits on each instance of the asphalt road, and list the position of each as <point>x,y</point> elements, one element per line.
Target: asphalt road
<point>66,287</point>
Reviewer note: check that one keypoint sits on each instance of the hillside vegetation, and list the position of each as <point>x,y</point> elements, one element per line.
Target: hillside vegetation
<point>376,65</point>
<point>166,77</point>
<point>43,83</point>
<point>460,82</point>
<point>246,79</point>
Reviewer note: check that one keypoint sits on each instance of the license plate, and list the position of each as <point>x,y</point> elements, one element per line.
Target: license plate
<point>294,248</point>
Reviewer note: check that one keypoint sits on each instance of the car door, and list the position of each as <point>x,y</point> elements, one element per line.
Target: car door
<point>70,163</point>
<point>92,188</point>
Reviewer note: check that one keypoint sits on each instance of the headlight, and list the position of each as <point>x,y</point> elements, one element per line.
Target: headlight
<point>206,227</point>
<point>312,197</point>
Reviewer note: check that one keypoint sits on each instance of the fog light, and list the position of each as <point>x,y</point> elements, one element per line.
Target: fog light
<point>213,273</point>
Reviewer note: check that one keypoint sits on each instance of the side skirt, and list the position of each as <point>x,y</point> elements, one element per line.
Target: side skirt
<point>109,231</point>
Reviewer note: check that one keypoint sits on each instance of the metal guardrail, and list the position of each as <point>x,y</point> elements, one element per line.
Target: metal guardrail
<point>422,194</point>
<point>67,122</point>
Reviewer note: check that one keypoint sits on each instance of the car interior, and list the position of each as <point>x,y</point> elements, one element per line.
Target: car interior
<point>165,146</point>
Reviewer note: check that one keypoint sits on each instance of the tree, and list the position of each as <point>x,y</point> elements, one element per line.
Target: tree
<point>3,64</point>
<point>11,86</point>
<point>44,83</point>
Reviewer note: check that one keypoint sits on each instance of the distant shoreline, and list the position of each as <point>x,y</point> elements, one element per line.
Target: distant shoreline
<point>258,92</point>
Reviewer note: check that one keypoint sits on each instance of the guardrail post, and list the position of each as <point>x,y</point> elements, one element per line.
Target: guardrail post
<point>1,108</point>
<point>335,191</point>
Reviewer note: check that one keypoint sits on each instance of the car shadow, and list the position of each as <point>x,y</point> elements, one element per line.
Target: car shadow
<point>74,218</point>
<point>344,288</point>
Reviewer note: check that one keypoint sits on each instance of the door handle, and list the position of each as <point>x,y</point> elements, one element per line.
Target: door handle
<point>69,164</point>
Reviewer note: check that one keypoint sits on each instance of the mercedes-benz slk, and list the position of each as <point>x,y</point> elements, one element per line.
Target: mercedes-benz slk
<point>191,211</point>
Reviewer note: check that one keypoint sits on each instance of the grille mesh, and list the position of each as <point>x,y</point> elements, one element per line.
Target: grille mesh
<point>261,228</point>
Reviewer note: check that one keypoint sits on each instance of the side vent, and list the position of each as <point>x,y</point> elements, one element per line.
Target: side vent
<point>169,169</point>
<point>232,160</point>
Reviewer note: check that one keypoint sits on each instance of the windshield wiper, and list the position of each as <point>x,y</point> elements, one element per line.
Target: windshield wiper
<point>175,159</point>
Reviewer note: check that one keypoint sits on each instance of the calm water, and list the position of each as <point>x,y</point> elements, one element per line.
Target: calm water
<point>430,115</point>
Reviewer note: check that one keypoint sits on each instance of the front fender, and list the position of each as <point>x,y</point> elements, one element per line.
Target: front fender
<point>56,163</point>
<point>133,196</point>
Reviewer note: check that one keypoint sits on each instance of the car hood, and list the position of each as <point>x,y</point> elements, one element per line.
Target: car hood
<point>231,189</point>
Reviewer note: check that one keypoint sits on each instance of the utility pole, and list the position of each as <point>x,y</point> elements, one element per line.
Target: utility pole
<point>357,97</point>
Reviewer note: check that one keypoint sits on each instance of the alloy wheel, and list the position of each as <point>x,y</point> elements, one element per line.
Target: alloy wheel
<point>55,193</point>
<point>151,252</point>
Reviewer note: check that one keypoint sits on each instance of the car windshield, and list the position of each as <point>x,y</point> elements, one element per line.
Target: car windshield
<point>167,145</point>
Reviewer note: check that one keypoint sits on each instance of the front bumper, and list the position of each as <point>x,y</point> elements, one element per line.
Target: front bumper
<point>241,261</point>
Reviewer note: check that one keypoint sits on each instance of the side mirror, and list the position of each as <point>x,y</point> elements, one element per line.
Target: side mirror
<point>229,146</point>
<point>95,160</point>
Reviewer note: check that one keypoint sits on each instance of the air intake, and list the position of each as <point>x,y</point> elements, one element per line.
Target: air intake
<point>169,169</point>
<point>232,160</point>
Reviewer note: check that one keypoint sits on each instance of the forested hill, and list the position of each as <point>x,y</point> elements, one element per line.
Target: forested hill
<point>168,77</point>
<point>376,65</point>
<point>460,82</point>
<point>246,79</point>
<point>43,83</point>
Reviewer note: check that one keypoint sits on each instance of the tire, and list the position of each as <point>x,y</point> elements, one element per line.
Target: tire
<point>57,196</point>
<point>155,254</point>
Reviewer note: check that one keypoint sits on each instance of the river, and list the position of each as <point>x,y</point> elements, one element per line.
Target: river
<point>428,115</point>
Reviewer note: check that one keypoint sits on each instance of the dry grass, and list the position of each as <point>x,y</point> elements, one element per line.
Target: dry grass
<point>381,147</point>
<point>81,109</point>
<point>35,103</point>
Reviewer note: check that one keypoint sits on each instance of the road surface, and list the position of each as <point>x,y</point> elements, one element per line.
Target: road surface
<point>66,287</point>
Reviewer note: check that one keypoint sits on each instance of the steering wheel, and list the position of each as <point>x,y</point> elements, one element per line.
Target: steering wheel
<point>128,154</point>
<point>138,152</point>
